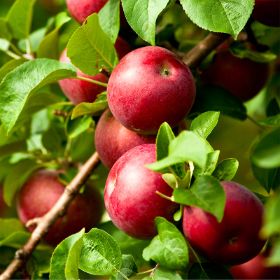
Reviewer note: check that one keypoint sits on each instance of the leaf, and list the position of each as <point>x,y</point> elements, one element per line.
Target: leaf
<point>19,18</point>
<point>164,137</point>
<point>9,226</point>
<point>100,253</point>
<point>226,16</point>
<point>128,268</point>
<point>188,146</point>
<point>4,30</point>
<point>65,258</point>
<point>76,127</point>
<point>9,66</point>
<point>169,248</point>
<point>142,15</point>
<point>109,18</point>
<point>204,124</point>
<point>12,183</point>
<point>16,239</point>
<point>211,163</point>
<point>164,274</point>
<point>274,258</point>
<point>212,98</point>
<point>226,169</point>
<point>90,49</point>
<point>271,121</point>
<point>265,154</point>
<point>205,193</point>
<point>27,78</point>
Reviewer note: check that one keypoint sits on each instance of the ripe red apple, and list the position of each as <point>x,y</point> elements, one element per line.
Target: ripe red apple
<point>149,86</point>
<point>79,91</point>
<point>112,139</point>
<point>267,12</point>
<point>130,193</point>
<point>41,192</point>
<point>81,9</point>
<point>255,269</point>
<point>242,77</point>
<point>236,239</point>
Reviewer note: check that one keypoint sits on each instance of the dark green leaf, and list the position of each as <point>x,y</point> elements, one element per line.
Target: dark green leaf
<point>142,15</point>
<point>226,16</point>
<point>90,49</point>
<point>266,152</point>
<point>65,258</point>
<point>204,124</point>
<point>27,78</point>
<point>100,254</point>
<point>164,137</point>
<point>4,30</point>
<point>271,121</point>
<point>19,18</point>
<point>226,169</point>
<point>205,193</point>
<point>76,127</point>
<point>169,248</point>
<point>109,18</point>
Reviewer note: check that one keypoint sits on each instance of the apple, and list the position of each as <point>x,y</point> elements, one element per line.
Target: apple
<point>242,77</point>
<point>267,12</point>
<point>255,269</point>
<point>112,139</point>
<point>81,9</point>
<point>149,86</point>
<point>130,193</point>
<point>236,239</point>
<point>41,192</point>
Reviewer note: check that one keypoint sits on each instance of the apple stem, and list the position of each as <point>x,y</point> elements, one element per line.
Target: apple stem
<point>164,196</point>
<point>92,81</point>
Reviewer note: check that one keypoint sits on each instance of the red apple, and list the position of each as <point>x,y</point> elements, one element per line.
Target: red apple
<point>112,139</point>
<point>130,193</point>
<point>81,9</point>
<point>255,269</point>
<point>149,86</point>
<point>79,91</point>
<point>242,77</point>
<point>267,12</point>
<point>41,192</point>
<point>236,239</point>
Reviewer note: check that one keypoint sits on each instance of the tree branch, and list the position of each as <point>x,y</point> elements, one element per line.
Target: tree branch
<point>47,220</point>
<point>193,59</point>
<point>196,55</point>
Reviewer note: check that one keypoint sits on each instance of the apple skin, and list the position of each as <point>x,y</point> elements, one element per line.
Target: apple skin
<point>130,193</point>
<point>236,239</point>
<point>78,91</point>
<point>112,139</point>
<point>148,87</point>
<point>41,192</point>
<point>81,9</point>
<point>255,269</point>
<point>267,12</point>
<point>242,77</point>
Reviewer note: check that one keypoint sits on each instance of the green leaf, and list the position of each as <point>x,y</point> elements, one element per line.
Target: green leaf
<point>169,248</point>
<point>274,258</point>
<point>163,274</point>
<point>128,268</point>
<point>271,121</point>
<point>4,30</point>
<point>9,226</point>
<point>16,239</point>
<point>164,137</point>
<point>226,169</point>
<point>211,163</point>
<point>109,18</point>
<point>205,193</point>
<point>49,45</point>
<point>9,66</point>
<point>100,254</point>
<point>65,258</point>
<point>92,109</point>
<point>266,152</point>
<point>76,127</point>
<point>226,16</point>
<point>142,15</point>
<point>19,18</point>
<point>90,49</point>
<point>212,98</point>
<point>27,78</point>
<point>12,183</point>
<point>204,124</point>
<point>271,216</point>
<point>260,57</point>
<point>188,146</point>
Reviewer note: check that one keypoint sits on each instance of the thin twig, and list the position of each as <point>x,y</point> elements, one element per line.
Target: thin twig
<point>48,220</point>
